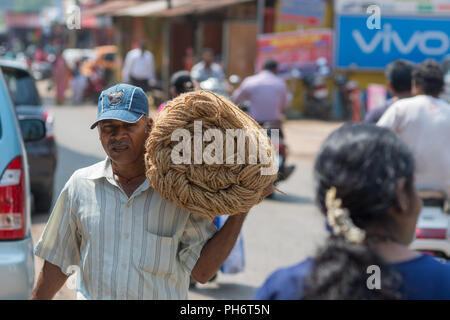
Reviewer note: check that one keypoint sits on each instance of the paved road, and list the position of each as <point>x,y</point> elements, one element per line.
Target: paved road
<point>278,232</point>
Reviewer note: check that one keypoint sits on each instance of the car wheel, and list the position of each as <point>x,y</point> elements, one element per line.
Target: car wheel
<point>43,202</point>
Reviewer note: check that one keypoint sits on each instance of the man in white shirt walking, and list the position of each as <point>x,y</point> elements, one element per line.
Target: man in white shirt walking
<point>207,68</point>
<point>139,67</point>
<point>423,122</point>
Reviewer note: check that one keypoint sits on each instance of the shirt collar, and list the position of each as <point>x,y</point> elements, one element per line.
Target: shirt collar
<point>104,170</point>
<point>267,72</point>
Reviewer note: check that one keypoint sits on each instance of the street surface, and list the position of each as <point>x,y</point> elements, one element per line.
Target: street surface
<point>278,232</point>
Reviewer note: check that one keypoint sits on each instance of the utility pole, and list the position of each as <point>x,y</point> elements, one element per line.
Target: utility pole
<point>260,15</point>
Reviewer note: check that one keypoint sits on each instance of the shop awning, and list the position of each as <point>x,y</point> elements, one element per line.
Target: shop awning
<point>179,7</point>
<point>109,7</point>
<point>22,20</point>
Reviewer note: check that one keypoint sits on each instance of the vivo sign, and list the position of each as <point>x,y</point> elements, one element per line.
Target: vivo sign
<point>408,38</point>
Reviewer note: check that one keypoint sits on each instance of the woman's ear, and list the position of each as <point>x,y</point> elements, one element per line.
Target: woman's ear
<point>403,196</point>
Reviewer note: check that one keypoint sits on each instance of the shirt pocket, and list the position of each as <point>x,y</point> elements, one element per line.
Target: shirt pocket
<point>160,254</point>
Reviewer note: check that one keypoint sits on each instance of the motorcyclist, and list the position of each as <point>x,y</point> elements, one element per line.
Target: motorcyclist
<point>267,98</point>
<point>398,75</point>
<point>266,94</point>
<point>180,82</point>
<point>423,122</point>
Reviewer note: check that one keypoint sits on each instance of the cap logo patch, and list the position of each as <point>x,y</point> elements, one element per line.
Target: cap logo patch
<point>114,98</point>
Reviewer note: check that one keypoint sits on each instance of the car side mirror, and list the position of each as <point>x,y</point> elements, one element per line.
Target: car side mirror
<point>32,129</point>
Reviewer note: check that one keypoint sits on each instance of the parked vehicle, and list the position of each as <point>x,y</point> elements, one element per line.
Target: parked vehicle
<point>316,100</point>
<point>433,226</point>
<point>345,88</point>
<point>42,69</point>
<point>16,244</point>
<point>42,154</point>
<point>101,67</point>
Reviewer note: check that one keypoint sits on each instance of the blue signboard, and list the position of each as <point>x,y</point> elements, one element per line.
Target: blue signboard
<point>410,38</point>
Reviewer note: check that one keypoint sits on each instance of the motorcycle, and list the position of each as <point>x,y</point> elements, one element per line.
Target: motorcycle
<point>215,85</point>
<point>41,70</point>
<point>345,88</point>
<point>433,226</point>
<point>316,96</point>
<point>284,170</point>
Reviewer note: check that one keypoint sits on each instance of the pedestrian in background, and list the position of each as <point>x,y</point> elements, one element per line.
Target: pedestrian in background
<point>61,73</point>
<point>139,67</point>
<point>399,76</point>
<point>207,68</point>
<point>365,187</point>
<point>79,83</point>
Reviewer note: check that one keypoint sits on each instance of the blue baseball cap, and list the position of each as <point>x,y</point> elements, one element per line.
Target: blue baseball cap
<point>122,102</point>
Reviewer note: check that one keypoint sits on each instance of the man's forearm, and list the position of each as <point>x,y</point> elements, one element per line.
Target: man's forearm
<point>50,280</point>
<point>218,248</point>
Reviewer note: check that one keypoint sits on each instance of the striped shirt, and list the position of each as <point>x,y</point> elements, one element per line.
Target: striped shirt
<point>140,247</point>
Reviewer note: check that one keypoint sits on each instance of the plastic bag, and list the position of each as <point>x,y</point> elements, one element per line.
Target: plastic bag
<point>235,262</point>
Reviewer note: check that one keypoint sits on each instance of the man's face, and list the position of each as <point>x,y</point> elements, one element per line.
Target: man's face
<point>124,142</point>
<point>208,57</point>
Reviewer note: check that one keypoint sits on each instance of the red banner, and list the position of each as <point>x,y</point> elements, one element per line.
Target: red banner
<point>295,50</point>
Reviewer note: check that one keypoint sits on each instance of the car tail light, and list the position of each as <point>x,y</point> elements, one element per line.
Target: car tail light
<point>49,121</point>
<point>12,202</point>
<point>429,233</point>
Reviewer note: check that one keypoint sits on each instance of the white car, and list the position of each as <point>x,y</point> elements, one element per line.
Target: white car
<point>433,226</point>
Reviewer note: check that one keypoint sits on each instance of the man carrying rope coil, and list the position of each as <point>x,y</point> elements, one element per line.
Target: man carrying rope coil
<point>128,242</point>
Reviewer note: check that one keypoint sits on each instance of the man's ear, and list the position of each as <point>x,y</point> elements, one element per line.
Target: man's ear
<point>390,89</point>
<point>403,197</point>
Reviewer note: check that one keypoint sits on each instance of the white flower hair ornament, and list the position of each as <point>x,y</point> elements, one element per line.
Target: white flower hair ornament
<point>339,220</point>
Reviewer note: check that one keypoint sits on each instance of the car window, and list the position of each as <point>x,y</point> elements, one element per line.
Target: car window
<point>21,87</point>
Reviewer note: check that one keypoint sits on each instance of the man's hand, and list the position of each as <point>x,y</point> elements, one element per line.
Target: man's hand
<point>218,248</point>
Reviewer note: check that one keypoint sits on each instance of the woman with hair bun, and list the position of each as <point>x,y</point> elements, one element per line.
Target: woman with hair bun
<point>365,186</point>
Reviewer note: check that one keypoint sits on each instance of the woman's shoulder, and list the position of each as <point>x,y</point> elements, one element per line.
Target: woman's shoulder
<point>428,262</point>
<point>426,277</point>
<point>285,283</point>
